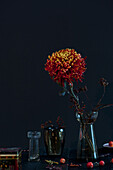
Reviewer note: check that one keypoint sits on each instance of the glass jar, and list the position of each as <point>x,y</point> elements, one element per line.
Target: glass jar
<point>54,138</point>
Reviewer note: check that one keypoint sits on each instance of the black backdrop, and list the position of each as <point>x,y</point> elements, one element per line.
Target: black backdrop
<point>29,32</point>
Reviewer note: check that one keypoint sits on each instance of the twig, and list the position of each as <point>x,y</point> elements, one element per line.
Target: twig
<point>101,97</point>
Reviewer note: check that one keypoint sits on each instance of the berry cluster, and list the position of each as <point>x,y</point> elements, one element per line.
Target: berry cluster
<point>59,123</point>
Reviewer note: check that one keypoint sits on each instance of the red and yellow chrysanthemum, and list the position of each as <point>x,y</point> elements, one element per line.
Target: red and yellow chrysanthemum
<point>65,65</point>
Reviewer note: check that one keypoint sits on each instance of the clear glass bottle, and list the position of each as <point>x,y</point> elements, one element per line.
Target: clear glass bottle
<point>33,145</point>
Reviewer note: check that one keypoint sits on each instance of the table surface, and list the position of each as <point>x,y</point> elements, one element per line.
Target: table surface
<point>105,154</point>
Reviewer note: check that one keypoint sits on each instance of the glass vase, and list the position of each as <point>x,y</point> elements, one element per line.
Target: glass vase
<point>54,138</point>
<point>87,147</point>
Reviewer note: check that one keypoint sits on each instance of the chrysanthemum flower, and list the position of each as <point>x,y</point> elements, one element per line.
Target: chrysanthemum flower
<point>66,65</point>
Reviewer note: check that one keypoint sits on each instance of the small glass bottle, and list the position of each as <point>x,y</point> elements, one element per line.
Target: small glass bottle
<point>33,145</point>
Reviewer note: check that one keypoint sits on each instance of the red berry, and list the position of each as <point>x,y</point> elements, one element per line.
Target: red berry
<point>62,160</point>
<point>111,143</point>
<point>112,160</point>
<point>101,163</point>
<point>89,165</point>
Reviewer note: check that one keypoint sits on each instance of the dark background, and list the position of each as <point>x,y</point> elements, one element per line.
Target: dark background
<point>29,32</point>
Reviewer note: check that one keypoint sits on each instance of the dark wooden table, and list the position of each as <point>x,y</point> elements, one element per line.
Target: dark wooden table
<point>105,154</point>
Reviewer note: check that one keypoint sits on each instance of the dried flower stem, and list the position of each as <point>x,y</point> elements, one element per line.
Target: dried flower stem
<point>102,96</point>
<point>104,106</point>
